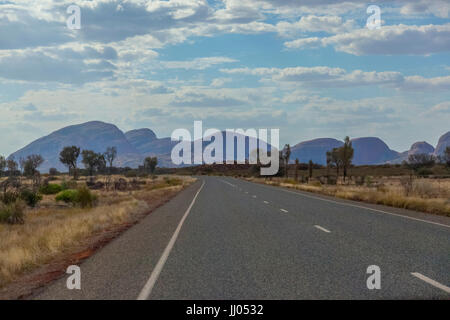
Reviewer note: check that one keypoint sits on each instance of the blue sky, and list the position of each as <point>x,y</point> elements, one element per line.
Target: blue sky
<point>311,68</point>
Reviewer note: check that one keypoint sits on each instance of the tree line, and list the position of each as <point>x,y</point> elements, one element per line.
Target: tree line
<point>94,162</point>
<point>341,160</point>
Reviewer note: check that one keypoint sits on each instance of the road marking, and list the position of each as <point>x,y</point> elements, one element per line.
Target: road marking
<point>246,192</point>
<point>323,229</point>
<point>284,210</point>
<point>228,183</point>
<point>147,290</point>
<point>352,205</point>
<point>266,202</point>
<point>431,281</point>
<point>254,196</point>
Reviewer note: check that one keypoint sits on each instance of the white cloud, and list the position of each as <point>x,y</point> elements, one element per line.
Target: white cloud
<point>197,63</point>
<point>388,40</point>
<point>312,23</point>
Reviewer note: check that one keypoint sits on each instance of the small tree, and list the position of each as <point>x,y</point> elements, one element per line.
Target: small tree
<point>310,169</point>
<point>53,172</point>
<point>346,155</point>
<point>150,164</point>
<point>2,165</point>
<point>93,161</point>
<point>286,156</point>
<point>329,161</point>
<point>336,160</point>
<point>69,157</point>
<point>110,155</point>
<point>12,166</point>
<point>31,163</point>
<point>297,164</point>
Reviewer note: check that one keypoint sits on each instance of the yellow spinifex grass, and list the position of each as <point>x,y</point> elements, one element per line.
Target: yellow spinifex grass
<point>47,232</point>
<point>426,195</point>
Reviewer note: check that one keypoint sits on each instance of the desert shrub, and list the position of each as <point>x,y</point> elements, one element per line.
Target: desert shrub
<point>290,181</point>
<point>51,188</point>
<point>331,180</point>
<point>68,185</point>
<point>172,181</point>
<point>85,198</point>
<point>424,172</point>
<point>423,189</point>
<point>82,197</point>
<point>30,197</point>
<point>315,183</point>
<point>131,174</point>
<point>368,181</point>
<point>9,197</point>
<point>12,213</point>
<point>359,181</point>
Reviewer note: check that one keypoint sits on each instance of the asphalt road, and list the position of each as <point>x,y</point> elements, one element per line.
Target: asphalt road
<point>224,238</point>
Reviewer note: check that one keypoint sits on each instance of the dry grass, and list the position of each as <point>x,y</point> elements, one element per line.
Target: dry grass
<point>54,228</point>
<point>425,195</point>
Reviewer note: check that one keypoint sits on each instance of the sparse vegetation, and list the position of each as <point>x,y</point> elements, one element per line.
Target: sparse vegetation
<point>425,195</point>
<point>32,237</point>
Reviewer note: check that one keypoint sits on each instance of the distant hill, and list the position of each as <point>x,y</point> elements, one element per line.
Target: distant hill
<point>443,143</point>
<point>133,146</point>
<point>371,150</point>
<point>93,135</point>
<point>314,150</point>
<point>417,148</point>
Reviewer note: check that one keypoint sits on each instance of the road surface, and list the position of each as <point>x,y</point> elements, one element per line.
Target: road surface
<point>224,238</point>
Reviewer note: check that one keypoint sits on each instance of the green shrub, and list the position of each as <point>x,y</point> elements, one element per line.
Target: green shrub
<point>68,196</point>
<point>51,188</point>
<point>31,198</point>
<point>82,197</point>
<point>12,213</point>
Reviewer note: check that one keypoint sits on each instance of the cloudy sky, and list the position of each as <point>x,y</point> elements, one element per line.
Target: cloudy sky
<point>311,68</point>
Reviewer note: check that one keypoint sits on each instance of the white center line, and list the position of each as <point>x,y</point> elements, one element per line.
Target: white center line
<point>228,183</point>
<point>246,192</point>
<point>431,281</point>
<point>147,290</point>
<point>254,196</point>
<point>323,229</point>
<point>266,202</point>
<point>284,210</point>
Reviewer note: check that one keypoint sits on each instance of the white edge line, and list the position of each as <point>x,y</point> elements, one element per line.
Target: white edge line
<point>284,210</point>
<point>147,290</point>
<point>431,281</point>
<point>266,202</point>
<point>323,229</point>
<point>354,205</point>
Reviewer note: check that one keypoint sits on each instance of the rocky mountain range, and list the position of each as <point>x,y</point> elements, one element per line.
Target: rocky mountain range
<point>133,146</point>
